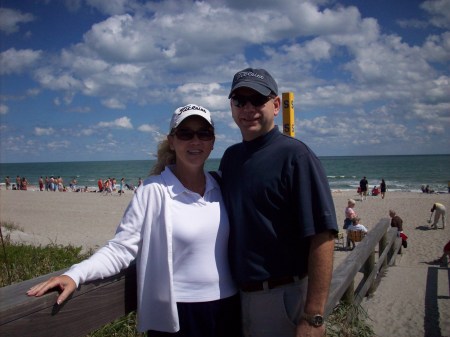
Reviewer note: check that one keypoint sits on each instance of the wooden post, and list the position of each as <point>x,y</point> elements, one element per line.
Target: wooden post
<point>381,247</point>
<point>368,268</point>
<point>288,114</point>
<point>349,295</point>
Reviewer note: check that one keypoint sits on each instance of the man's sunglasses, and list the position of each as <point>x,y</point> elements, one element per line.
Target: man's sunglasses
<point>256,100</point>
<point>188,134</point>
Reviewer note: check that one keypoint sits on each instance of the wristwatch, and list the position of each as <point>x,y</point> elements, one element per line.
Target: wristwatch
<point>314,320</point>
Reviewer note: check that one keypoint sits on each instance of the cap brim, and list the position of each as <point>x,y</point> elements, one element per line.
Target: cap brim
<point>252,85</point>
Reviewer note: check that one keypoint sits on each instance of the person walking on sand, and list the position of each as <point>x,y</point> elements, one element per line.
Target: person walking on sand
<point>363,187</point>
<point>8,183</point>
<point>383,188</point>
<point>176,228</point>
<point>121,186</point>
<point>282,217</point>
<point>440,211</point>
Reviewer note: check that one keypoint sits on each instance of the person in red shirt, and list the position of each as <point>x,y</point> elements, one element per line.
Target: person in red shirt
<point>100,185</point>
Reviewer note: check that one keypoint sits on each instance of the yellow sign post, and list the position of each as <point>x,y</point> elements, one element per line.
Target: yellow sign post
<point>288,114</point>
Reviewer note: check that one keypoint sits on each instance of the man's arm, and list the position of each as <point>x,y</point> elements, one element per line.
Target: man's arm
<point>320,272</point>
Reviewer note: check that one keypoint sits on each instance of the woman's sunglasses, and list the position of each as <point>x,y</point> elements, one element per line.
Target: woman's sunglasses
<point>188,134</point>
<point>256,100</point>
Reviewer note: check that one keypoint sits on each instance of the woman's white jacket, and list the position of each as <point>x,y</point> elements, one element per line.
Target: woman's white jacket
<point>145,234</point>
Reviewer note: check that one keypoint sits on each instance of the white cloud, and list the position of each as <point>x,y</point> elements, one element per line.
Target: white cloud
<point>122,123</point>
<point>113,103</point>
<point>437,48</point>
<point>16,61</point>
<point>10,20</point>
<point>43,131</point>
<point>439,11</point>
<point>54,79</point>
<point>55,145</point>
<point>112,6</point>
<point>148,128</point>
<point>3,109</point>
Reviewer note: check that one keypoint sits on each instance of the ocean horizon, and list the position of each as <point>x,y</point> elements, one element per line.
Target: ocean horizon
<point>401,172</point>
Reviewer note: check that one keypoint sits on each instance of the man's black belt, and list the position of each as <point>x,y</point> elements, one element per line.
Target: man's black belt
<point>270,283</point>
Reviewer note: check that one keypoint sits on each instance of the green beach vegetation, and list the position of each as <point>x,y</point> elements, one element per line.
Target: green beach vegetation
<point>20,262</point>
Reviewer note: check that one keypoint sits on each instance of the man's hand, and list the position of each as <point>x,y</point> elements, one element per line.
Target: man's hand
<point>304,329</point>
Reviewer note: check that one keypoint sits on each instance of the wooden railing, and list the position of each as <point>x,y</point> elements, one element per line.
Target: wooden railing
<point>97,303</point>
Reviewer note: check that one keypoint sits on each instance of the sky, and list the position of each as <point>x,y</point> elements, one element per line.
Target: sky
<point>85,80</point>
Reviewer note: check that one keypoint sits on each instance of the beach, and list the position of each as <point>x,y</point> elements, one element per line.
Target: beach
<point>412,299</point>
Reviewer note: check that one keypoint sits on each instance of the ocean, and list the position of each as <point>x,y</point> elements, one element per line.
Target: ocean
<point>401,173</point>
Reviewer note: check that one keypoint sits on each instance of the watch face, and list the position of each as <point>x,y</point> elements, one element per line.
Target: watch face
<point>317,320</point>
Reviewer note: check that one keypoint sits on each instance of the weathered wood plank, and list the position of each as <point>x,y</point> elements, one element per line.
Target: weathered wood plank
<point>344,274</point>
<point>91,306</point>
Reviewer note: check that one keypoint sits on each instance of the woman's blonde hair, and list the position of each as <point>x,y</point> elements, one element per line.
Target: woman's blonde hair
<point>166,156</point>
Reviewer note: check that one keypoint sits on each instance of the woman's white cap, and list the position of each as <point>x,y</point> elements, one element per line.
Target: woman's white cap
<point>186,111</point>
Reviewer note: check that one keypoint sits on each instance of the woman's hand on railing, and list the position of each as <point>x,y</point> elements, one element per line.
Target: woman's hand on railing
<point>63,282</point>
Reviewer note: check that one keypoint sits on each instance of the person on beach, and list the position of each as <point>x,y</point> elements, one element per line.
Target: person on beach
<point>282,217</point>
<point>100,184</point>
<point>349,213</point>
<point>121,185</point>
<point>355,226</point>
<point>24,184</point>
<point>375,191</point>
<point>383,188</point>
<point>397,222</point>
<point>440,211</point>
<point>444,259</point>
<point>18,183</point>
<point>7,183</point>
<point>176,227</point>
<point>363,187</point>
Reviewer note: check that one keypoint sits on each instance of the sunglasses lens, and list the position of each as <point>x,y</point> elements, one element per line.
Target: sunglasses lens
<point>187,134</point>
<point>255,100</point>
<point>184,134</point>
<point>205,135</point>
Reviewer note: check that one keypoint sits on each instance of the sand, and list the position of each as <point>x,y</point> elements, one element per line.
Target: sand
<point>412,299</point>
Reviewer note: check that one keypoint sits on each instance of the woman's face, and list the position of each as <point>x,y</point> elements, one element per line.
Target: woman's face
<point>192,141</point>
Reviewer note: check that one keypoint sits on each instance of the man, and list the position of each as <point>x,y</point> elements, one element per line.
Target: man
<point>282,217</point>
<point>363,186</point>
<point>396,221</point>
<point>440,211</point>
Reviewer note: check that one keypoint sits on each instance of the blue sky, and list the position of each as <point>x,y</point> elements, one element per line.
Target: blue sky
<point>99,79</point>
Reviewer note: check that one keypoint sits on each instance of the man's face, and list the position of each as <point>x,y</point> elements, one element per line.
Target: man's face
<point>253,121</point>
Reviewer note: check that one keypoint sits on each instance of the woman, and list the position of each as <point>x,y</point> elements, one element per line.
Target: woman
<point>177,229</point>
<point>349,213</point>
<point>383,188</point>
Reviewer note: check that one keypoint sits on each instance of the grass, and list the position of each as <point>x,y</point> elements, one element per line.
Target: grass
<point>20,262</point>
<point>349,320</point>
